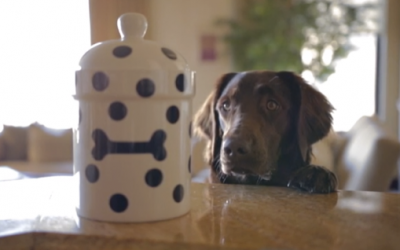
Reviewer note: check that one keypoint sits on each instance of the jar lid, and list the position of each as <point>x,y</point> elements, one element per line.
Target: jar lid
<point>132,51</point>
<point>133,67</point>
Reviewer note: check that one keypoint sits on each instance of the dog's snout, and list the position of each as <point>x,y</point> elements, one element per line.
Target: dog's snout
<point>235,148</point>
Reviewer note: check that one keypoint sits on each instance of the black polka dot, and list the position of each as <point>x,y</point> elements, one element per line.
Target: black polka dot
<point>154,177</point>
<point>180,82</point>
<point>122,51</point>
<point>100,81</point>
<point>190,129</point>
<point>145,88</point>
<point>117,111</point>
<point>92,173</point>
<point>173,114</point>
<point>169,53</point>
<point>118,203</point>
<point>190,164</point>
<point>178,193</point>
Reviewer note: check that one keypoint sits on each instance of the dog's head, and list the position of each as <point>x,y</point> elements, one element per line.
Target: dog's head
<point>259,120</point>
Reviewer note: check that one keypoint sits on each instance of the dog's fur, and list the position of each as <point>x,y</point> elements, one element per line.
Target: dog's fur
<point>272,118</point>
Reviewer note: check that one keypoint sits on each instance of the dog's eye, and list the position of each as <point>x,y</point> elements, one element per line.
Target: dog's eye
<point>271,105</point>
<point>226,105</point>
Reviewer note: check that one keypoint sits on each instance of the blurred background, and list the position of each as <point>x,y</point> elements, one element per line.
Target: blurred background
<point>348,49</point>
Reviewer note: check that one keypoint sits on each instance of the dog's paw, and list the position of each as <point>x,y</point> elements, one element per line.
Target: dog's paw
<point>313,179</point>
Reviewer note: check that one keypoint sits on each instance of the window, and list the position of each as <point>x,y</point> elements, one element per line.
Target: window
<point>41,42</point>
<point>351,89</point>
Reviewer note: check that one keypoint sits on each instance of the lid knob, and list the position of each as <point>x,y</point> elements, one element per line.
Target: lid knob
<point>132,25</point>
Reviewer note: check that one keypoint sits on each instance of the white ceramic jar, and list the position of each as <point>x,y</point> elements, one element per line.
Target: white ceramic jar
<point>132,145</point>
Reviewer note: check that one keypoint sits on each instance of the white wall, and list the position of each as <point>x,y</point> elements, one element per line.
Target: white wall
<point>179,24</point>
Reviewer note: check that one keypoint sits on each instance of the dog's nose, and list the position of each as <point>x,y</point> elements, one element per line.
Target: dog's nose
<point>235,148</point>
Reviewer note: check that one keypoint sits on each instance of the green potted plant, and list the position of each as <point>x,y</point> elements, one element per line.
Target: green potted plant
<point>295,35</point>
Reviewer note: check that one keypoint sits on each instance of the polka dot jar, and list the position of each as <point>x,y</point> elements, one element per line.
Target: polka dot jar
<point>132,144</point>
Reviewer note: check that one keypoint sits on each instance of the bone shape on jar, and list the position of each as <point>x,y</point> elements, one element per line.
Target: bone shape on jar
<point>104,146</point>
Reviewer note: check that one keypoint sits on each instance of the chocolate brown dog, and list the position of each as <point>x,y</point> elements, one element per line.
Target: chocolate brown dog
<point>260,126</point>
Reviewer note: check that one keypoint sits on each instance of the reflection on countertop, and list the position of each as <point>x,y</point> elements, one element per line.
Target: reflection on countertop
<point>40,214</point>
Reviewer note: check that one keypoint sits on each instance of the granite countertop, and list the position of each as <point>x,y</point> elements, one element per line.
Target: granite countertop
<point>39,214</point>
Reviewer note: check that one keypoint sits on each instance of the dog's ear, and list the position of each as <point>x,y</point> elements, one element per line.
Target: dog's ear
<point>205,121</point>
<point>313,112</point>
